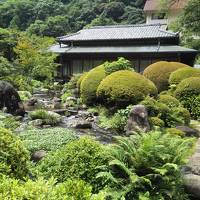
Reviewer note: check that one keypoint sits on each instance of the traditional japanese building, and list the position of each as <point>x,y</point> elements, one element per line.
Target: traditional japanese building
<point>141,44</point>
<point>154,13</point>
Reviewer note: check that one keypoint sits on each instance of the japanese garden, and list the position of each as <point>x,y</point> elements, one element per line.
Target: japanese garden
<point>99,100</point>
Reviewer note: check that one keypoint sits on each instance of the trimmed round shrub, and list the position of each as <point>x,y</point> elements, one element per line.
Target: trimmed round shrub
<point>188,87</point>
<point>183,114</point>
<point>155,121</point>
<point>13,155</point>
<point>188,92</point>
<point>169,100</point>
<point>78,84</point>
<point>90,84</point>
<point>77,160</point>
<point>174,131</point>
<point>177,76</point>
<point>159,73</point>
<point>125,87</point>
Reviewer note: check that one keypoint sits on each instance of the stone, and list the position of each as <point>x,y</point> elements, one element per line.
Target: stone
<point>56,99</point>
<point>36,122</point>
<point>189,132</point>
<point>38,155</point>
<point>57,105</point>
<point>83,124</point>
<point>21,128</point>
<point>71,99</point>
<point>138,120</point>
<point>192,185</point>
<point>32,101</point>
<point>46,126</point>
<point>10,99</point>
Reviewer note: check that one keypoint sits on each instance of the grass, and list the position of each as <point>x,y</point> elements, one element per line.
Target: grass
<point>49,139</point>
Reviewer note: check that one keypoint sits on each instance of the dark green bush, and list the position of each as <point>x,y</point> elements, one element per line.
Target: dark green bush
<point>77,160</point>
<point>120,64</point>
<point>49,139</point>
<point>155,121</point>
<point>147,166</point>
<point>159,73</point>
<point>13,155</point>
<point>188,92</point>
<point>183,114</point>
<point>174,131</point>
<point>48,118</point>
<point>177,76</point>
<point>169,100</point>
<point>125,87</point>
<point>90,84</point>
<point>42,189</point>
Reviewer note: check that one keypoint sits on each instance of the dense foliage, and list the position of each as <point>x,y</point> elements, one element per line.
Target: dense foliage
<point>124,87</point>
<point>13,155</point>
<point>56,18</point>
<point>159,73</point>
<point>181,74</point>
<point>146,166</point>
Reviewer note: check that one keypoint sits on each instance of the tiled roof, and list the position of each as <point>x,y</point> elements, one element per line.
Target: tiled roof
<point>120,49</point>
<point>153,5</point>
<point>119,32</point>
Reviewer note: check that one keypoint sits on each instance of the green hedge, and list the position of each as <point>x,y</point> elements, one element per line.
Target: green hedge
<point>181,74</point>
<point>125,87</point>
<point>159,73</point>
<point>90,84</point>
<point>169,100</point>
<point>13,155</point>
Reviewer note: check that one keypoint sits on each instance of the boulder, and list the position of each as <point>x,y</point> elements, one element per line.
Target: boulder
<point>10,99</point>
<point>83,124</point>
<point>189,132</point>
<point>38,155</point>
<point>32,101</point>
<point>71,99</point>
<point>192,185</point>
<point>138,120</point>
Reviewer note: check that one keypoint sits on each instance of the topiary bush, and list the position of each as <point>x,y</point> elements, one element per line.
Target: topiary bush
<point>78,84</point>
<point>125,87</point>
<point>77,160</point>
<point>90,84</point>
<point>159,73</point>
<point>13,155</point>
<point>155,121</point>
<point>13,189</point>
<point>188,92</point>
<point>175,131</point>
<point>169,100</point>
<point>120,64</point>
<point>177,76</point>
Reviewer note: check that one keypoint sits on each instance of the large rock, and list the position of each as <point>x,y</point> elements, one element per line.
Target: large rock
<point>189,132</point>
<point>138,120</point>
<point>10,99</point>
<point>192,185</point>
<point>38,155</point>
<point>36,122</point>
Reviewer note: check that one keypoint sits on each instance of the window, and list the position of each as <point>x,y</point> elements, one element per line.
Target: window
<point>158,16</point>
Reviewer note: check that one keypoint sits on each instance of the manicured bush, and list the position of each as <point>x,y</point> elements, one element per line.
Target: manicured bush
<point>125,87</point>
<point>77,160</point>
<point>120,64</point>
<point>12,189</point>
<point>48,117</point>
<point>188,92</point>
<point>90,84</point>
<point>183,114</point>
<point>155,121</point>
<point>159,73</point>
<point>49,139</point>
<point>78,84</point>
<point>177,76</point>
<point>174,131</point>
<point>13,155</point>
<point>24,95</point>
<point>169,100</point>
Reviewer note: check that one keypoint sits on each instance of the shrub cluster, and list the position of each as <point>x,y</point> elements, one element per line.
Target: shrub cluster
<point>169,100</point>
<point>159,73</point>
<point>125,87</point>
<point>13,155</point>
<point>177,76</point>
<point>188,92</point>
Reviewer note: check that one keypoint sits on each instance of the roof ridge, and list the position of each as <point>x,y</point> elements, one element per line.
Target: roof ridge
<point>169,32</point>
<point>125,25</point>
<point>71,34</point>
